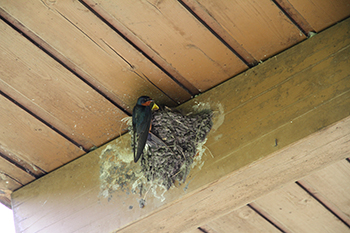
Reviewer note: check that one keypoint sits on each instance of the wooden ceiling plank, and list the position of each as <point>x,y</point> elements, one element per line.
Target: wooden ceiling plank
<point>7,185</point>
<point>258,26</point>
<point>175,34</point>
<point>201,13</point>
<point>295,16</point>
<point>60,57</point>
<point>24,165</point>
<point>5,198</point>
<point>53,94</point>
<point>31,140</point>
<point>269,218</point>
<point>11,178</point>
<point>331,187</point>
<point>142,47</point>
<point>314,134</point>
<point>321,14</point>
<point>80,40</point>
<point>205,229</point>
<point>14,172</point>
<point>296,209</point>
<point>242,220</point>
<point>196,230</point>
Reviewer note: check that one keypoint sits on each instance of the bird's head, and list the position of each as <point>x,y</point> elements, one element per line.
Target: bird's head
<point>146,101</point>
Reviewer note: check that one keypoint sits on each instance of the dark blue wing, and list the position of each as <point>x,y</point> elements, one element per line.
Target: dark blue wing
<point>141,121</point>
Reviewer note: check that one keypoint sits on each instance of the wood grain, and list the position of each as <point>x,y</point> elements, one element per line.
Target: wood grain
<point>208,19</point>
<point>331,186</point>
<point>204,228</point>
<point>141,46</point>
<point>6,185</point>
<point>27,166</point>
<point>286,92</point>
<point>268,217</point>
<point>14,172</point>
<point>54,94</point>
<point>297,210</point>
<point>301,98</point>
<point>31,140</point>
<point>322,13</point>
<point>170,30</point>
<point>246,21</point>
<point>85,43</point>
<point>242,220</point>
<point>328,186</point>
<point>11,178</point>
<point>81,179</point>
<point>295,15</point>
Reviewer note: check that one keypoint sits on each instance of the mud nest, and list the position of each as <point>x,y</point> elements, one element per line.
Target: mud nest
<point>172,145</point>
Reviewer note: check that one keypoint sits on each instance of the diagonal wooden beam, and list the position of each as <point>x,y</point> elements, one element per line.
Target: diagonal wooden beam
<point>273,124</point>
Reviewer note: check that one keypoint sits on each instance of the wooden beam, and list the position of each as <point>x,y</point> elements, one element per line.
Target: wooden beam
<point>273,124</point>
<point>251,182</point>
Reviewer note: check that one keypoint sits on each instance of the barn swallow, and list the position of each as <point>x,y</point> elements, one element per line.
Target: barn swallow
<point>141,123</point>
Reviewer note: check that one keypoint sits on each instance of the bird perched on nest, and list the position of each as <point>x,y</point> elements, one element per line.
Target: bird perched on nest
<point>141,124</point>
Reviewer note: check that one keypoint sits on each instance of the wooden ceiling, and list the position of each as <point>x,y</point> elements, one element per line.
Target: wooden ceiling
<point>316,203</point>
<point>71,70</point>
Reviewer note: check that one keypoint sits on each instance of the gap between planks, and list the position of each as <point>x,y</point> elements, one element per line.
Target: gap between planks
<point>63,60</point>
<point>140,46</point>
<point>324,202</point>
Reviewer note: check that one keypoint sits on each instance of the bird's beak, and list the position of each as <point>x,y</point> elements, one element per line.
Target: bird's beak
<point>155,107</point>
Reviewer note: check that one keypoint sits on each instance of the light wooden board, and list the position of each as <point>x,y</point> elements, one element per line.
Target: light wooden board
<point>242,220</point>
<point>27,166</point>
<point>202,13</point>
<point>332,184</point>
<point>11,178</point>
<point>54,94</point>
<point>299,212</point>
<point>79,38</point>
<point>248,20</point>
<point>283,98</point>
<point>295,15</point>
<point>268,217</point>
<point>196,230</point>
<point>14,172</point>
<point>170,30</point>
<point>205,227</point>
<point>6,185</point>
<point>322,13</point>
<point>32,141</point>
